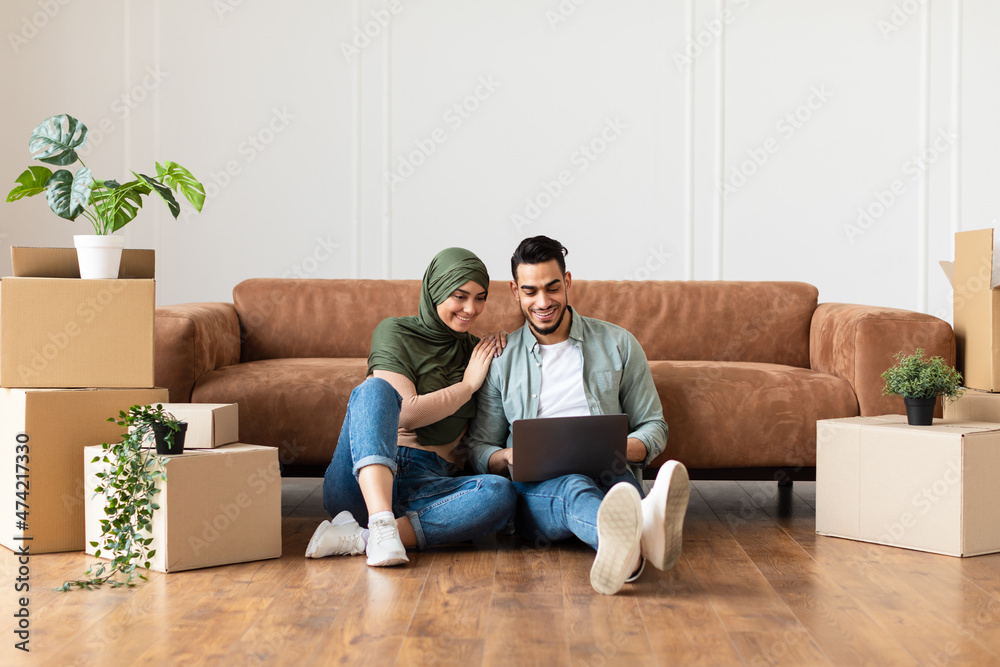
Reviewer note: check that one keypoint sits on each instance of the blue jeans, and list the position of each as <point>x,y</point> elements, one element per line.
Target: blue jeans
<point>441,508</point>
<point>563,507</point>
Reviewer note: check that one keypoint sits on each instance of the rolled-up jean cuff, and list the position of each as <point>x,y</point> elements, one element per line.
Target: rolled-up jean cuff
<point>417,530</point>
<point>374,459</point>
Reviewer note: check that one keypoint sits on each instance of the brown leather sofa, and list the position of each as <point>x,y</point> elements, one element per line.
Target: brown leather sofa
<point>744,369</point>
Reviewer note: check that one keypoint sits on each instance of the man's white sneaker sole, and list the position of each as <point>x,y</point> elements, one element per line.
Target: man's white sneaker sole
<point>619,533</point>
<point>663,513</point>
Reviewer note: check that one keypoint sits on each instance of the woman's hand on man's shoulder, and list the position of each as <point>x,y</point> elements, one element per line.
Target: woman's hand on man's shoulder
<point>501,337</point>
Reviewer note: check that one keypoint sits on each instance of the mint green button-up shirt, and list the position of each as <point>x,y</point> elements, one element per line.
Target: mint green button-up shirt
<point>616,380</point>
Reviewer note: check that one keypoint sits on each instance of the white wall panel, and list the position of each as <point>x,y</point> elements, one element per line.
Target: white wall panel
<point>52,61</point>
<point>258,104</point>
<point>517,120</point>
<point>297,115</point>
<point>829,109</point>
<point>980,110</point>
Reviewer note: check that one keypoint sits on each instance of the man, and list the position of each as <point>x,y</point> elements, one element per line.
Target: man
<point>561,364</point>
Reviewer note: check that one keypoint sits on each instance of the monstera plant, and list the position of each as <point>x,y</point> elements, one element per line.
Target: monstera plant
<point>108,204</point>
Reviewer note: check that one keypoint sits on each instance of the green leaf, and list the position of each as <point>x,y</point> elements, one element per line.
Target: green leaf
<point>164,192</point>
<point>183,181</point>
<point>32,180</point>
<point>53,143</point>
<point>118,205</point>
<point>68,194</point>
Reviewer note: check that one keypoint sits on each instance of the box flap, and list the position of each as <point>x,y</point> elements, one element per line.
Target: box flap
<point>62,263</point>
<point>973,305</point>
<point>949,271</point>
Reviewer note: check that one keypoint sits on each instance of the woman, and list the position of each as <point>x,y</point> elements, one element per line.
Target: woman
<point>399,448</point>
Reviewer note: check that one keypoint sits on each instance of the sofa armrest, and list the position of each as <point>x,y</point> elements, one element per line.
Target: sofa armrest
<point>857,343</point>
<point>190,340</point>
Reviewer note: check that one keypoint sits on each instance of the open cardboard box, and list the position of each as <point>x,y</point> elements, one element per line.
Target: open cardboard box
<point>57,330</point>
<point>56,424</point>
<point>975,277</point>
<point>217,507</point>
<point>930,488</point>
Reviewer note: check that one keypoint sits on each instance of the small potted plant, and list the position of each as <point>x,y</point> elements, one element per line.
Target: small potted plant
<point>128,484</point>
<point>920,381</point>
<point>107,204</point>
<point>168,433</point>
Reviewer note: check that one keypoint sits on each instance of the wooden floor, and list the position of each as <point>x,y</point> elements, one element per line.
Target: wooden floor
<point>755,586</point>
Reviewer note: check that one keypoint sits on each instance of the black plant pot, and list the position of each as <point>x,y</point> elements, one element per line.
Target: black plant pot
<point>160,432</point>
<point>919,411</point>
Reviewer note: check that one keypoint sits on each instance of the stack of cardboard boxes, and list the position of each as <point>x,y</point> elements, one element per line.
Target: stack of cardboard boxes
<point>73,353</point>
<point>930,488</point>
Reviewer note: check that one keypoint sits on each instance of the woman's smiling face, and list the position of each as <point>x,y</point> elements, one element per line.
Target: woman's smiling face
<point>463,306</point>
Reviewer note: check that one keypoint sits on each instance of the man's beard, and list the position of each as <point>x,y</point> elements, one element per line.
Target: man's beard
<point>546,330</point>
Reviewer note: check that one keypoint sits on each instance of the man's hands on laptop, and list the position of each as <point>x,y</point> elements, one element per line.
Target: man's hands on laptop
<point>500,459</point>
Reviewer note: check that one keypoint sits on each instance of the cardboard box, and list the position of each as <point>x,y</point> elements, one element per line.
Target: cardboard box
<point>976,309</point>
<point>57,330</point>
<point>930,488</point>
<point>974,406</point>
<point>209,424</point>
<point>58,424</point>
<point>217,506</point>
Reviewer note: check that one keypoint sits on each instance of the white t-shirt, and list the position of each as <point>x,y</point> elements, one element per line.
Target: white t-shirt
<point>561,393</point>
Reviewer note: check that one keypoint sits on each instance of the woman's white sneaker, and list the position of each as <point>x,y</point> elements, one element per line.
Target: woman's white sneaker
<point>384,546</point>
<point>663,513</point>
<point>340,537</point>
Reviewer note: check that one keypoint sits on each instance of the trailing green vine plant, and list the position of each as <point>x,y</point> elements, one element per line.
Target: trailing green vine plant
<point>128,484</point>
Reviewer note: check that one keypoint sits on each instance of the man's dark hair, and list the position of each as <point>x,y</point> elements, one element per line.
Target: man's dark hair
<point>538,250</point>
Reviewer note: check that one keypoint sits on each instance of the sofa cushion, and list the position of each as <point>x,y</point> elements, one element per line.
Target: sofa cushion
<point>283,318</point>
<point>746,415</point>
<point>675,320</point>
<point>707,320</point>
<point>297,405</point>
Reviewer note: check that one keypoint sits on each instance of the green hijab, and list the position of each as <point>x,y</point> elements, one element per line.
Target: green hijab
<point>424,348</point>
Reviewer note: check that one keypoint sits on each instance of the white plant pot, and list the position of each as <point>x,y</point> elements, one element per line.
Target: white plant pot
<point>99,255</point>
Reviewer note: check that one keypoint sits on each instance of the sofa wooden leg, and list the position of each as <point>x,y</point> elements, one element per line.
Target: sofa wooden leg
<point>785,482</point>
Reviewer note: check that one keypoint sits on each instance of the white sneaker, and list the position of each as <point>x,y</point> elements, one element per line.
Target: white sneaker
<point>340,537</point>
<point>384,545</point>
<point>663,515</point>
<point>619,534</point>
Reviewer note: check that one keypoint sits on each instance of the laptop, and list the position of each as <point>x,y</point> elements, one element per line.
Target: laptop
<point>556,446</point>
